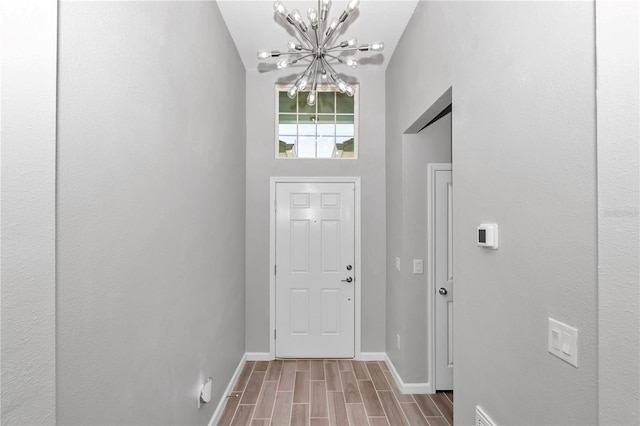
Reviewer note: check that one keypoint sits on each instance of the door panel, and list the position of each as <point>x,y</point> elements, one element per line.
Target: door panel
<point>443,246</point>
<point>315,231</point>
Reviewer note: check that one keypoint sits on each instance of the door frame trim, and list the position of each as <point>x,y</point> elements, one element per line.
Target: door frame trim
<point>357,247</point>
<point>432,168</point>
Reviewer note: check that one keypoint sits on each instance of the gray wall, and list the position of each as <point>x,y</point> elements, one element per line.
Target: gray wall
<point>431,145</point>
<point>151,178</point>
<point>261,164</point>
<point>27,229</point>
<point>523,156</point>
<point>618,181</point>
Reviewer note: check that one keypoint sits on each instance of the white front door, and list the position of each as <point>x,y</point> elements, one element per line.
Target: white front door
<point>443,282</point>
<point>315,270</point>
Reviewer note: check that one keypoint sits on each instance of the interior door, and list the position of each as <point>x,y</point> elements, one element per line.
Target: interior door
<point>443,248</point>
<point>315,271</point>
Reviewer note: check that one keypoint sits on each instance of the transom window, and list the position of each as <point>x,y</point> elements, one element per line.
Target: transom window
<point>327,129</point>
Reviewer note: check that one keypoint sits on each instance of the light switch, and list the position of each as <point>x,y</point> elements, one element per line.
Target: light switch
<point>566,343</point>
<point>418,266</point>
<point>555,338</point>
<point>563,341</point>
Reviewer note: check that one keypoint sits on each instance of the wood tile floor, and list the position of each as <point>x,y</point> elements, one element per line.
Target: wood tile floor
<point>328,393</point>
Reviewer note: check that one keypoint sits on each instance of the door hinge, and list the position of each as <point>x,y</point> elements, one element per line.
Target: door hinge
<point>274,334</point>
<point>275,205</point>
<point>274,269</point>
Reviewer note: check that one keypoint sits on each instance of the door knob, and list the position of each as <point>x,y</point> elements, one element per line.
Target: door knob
<point>348,280</point>
<point>442,291</point>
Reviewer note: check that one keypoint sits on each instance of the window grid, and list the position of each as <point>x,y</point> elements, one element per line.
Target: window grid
<point>308,126</point>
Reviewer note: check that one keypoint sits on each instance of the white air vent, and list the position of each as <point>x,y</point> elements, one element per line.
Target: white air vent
<point>482,419</point>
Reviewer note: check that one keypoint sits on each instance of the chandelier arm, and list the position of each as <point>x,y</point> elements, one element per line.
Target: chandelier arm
<point>315,77</point>
<point>303,57</point>
<point>297,53</point>
<point>339,49</point>
<point>305,35</point>
<point>302,33</point>
<point>330,36</point>
<point>317,39</point>
<point>333,71</point>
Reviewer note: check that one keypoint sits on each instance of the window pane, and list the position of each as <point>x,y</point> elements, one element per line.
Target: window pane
<point>344,129</point>
<point>307,129</point>
<point>326,102</point>
<point>326,130</point>
<point>306,147</point>
<point>344,103</point>
<point>307,119</point>
<point>345,145</point>
<point>286,104</point>
<point>326,147</point>
<point>326,118</point>
<point>302,104</point>
<point>288,129</point>
<point>287,146</point>
<point>288,119</point>
<point>344,118</point>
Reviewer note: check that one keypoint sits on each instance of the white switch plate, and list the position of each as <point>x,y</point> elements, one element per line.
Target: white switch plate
<point>418,266</point>
<point>397,264</point>
<point>563,341</point>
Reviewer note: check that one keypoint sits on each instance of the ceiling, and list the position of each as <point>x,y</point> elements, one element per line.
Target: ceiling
<point>254,26</point>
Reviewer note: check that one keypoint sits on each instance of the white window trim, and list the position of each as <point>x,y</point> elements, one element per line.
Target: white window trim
<point>321,88</point>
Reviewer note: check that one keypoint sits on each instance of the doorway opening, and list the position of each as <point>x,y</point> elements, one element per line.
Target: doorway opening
<point>428,146</point>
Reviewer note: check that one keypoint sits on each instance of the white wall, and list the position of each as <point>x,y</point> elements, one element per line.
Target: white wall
<point>617,41</point>
<point>151,202</point>
<point>524,147</point>
<point>28,132</point>
<point>261,164</point>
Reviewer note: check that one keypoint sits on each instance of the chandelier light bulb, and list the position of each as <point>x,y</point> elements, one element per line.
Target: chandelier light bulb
<point>263,54</point>
<point>302,84</point>
<point>332,27</point>
<point>311,98</point>
<point>325,5</point>
<point>324,76</point>
<point>377,46</point>
<point>353,5</point>
<point>292,46</point>
<point>282,64</point>
<point>349,91</point>
<point>342,86</point>
<point>292,92</point>
<point>313,17</point>
<point>295,14</point>
<point>352,42</point>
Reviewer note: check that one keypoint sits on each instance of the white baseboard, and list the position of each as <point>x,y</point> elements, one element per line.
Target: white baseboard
<point>227,391</point>
<point>407,387</point>
<point>259,356</point>
<point>371,356</point>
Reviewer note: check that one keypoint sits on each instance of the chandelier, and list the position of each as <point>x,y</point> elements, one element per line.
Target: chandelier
<point>316,46</point>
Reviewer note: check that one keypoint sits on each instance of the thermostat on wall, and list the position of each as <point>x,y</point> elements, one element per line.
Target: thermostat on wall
<point>488,235</point>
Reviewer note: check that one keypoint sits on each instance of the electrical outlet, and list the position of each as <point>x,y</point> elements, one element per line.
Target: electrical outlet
<point>398,341</point>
